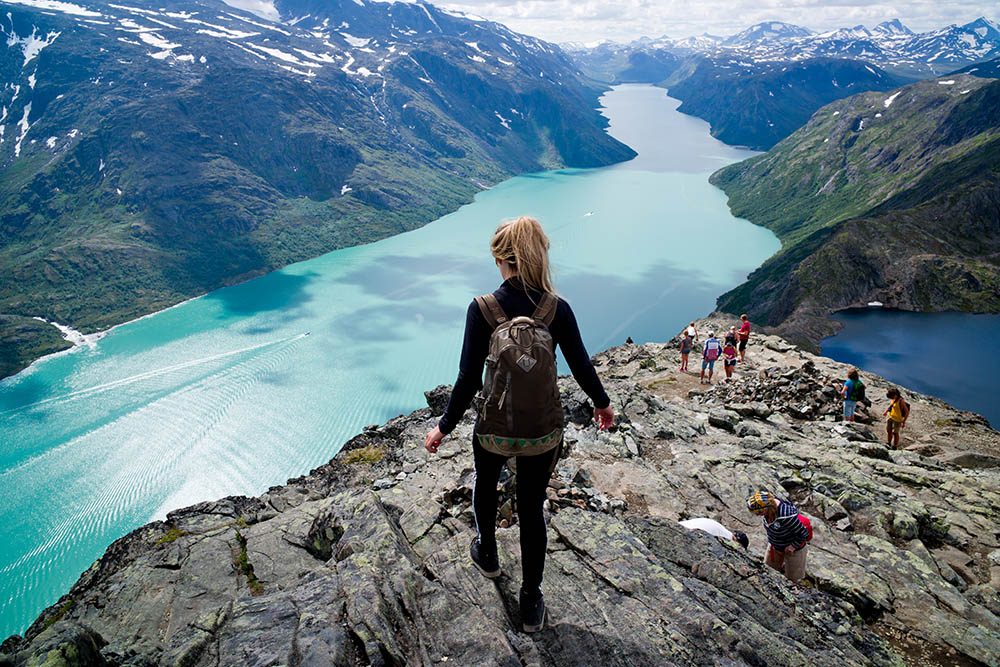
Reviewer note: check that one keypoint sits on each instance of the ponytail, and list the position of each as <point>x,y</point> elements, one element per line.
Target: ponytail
<point>525,247</point>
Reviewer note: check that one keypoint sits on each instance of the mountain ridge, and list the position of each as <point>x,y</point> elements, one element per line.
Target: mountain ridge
<point>150,155</point>
<point>758,86</point>
<point>881,197</point>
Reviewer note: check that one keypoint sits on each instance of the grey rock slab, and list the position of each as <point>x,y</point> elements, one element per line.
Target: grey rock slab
<point>344,574</point>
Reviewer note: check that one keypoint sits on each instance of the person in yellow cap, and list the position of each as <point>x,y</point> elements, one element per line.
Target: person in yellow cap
<point>787,535</point>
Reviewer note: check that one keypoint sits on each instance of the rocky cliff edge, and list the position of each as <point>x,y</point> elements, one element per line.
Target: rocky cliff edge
<point>365,560</point>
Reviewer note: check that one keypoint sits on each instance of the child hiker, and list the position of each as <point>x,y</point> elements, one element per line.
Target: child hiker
<point>729,356</point>
<point>898,411</point>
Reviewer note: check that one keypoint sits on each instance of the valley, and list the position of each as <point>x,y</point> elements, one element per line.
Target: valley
<point>758,86</point>
<point>252,238</point>
<point>150,155</point>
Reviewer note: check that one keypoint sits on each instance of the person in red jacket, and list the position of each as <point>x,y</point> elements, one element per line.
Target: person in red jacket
<point>744,335</point>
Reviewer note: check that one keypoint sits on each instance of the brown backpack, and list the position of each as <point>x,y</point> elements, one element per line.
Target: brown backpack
<point>520,413</point>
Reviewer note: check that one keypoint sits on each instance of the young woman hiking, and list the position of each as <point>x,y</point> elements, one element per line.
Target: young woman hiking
<point>520,249</point>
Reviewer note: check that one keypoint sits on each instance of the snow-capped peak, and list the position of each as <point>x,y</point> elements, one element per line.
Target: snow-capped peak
<point>892,28</point>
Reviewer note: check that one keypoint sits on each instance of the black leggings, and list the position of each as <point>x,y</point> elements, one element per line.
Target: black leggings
<point>533,474</point>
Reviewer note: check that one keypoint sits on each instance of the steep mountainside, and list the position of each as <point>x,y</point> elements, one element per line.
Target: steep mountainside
<point>150,152</point>
<point>989,69</point>
<point>881,197</point>
<point>759,104</point>
<point>364,561</point>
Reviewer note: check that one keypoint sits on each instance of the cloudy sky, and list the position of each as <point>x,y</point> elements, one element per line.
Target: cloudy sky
<point>623,20</point>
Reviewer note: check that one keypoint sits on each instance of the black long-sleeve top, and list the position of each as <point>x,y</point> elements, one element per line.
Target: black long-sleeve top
<point>516,301</point>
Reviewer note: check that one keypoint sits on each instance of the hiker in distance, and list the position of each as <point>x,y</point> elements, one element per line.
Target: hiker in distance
<point>729,358</point>
<point>686,344</point>
<point>744,336</point>
<point>853,392</point>
<point>788,533</point>
<point>709,353</point>
<point>898,412</point>
<point>513,332</point>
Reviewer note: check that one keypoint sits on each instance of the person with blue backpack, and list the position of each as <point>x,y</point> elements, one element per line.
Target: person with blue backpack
<point>711,351</point>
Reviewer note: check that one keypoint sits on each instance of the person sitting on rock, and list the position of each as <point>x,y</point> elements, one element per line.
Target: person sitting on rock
<point>713,527</point>
<point>787,535</point>
<point>521,251</point>
<point>709,353</point>
<point>898,412</point>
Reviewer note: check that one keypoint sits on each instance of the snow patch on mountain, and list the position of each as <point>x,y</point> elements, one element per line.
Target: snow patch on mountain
<point>355,41</point>
<point>56,6</point>
<point>25,126</point>
<point>31,45</point>
<point>892,98</point>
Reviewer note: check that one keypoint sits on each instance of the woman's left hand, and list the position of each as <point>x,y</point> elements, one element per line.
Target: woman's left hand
<point>433,440</point>
<point>604,417</point>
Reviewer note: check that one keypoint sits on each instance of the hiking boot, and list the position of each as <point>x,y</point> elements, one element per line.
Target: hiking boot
<point>485,560</point>
<point>532,611</point>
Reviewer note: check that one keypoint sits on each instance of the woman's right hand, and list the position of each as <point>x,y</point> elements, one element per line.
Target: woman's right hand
<point>604,417</point>
<point>433,440</point>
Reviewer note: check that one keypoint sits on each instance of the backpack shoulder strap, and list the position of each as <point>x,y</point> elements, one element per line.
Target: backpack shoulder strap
<point>491,310</point>
<point>546,310</point>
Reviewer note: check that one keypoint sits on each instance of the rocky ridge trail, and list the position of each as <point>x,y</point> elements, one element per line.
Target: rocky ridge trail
<point>365,560</point>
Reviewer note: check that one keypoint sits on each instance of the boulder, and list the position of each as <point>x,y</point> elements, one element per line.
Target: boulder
<point>437,399</point>
<point>874,451</point>
<point>971,460</point>
<point>904,526</point>
<point>801,411</point>
<point>723,419</point>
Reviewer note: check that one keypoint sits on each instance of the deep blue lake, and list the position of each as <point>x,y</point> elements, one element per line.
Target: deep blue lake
<point>949,355</point>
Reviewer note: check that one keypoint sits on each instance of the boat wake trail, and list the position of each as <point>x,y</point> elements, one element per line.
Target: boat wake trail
<point>154,373</point>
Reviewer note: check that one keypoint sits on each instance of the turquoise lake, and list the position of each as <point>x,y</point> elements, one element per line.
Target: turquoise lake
<point>227,394</point>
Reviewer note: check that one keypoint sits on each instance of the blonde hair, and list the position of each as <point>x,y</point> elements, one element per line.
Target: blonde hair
<point>525,247</point>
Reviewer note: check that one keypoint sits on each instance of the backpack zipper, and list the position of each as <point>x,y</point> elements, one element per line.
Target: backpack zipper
<point>503,394</point>
<point>510,410</point>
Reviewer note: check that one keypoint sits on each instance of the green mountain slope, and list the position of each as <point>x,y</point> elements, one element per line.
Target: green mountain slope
<point>897,203</point>
<point>149,154</point>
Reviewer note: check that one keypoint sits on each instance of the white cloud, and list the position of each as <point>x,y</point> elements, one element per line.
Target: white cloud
<point>623,20</point>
